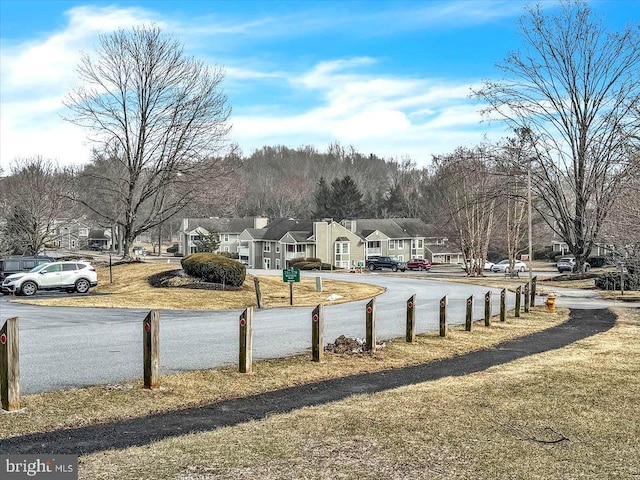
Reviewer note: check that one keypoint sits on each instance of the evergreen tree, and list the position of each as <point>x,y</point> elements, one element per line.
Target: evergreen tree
<point>346,198</point>
<point>322,196</point>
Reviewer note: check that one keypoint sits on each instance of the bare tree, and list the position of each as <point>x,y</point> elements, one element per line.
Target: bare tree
<point>158,120</point>
<point>33,196</point>
<point>462,194</point>
<point>574,88</point>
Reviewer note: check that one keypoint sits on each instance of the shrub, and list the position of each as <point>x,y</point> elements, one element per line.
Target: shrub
<point>306,265</point>
<point>597,262</point>
<point>611,281</point>
<point>214,268</point>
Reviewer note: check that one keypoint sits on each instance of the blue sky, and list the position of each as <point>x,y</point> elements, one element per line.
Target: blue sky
<point>391,78</point>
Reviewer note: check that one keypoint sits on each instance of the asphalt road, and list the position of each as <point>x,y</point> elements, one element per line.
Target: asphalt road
<point>62,347</point>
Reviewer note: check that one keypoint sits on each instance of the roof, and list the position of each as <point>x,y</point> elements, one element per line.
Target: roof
<point>220,225</point>
<point>439,249</point>
<point>394,227</point>
<point>281,226</point>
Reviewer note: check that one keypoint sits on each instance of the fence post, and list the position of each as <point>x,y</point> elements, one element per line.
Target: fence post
<point>411,319</point>
<point>469,319</point>
<point>371,326</point>
<point>534,283</point>
<point>518,300</point>
<point>246,340</point>
<point>151,349</point>
<point>487,308</point>
<point>443,316</point>
<point>503,305</point>
<point>10,365</point>
<point>526,297</point>
<point>256,283</point>
<point>317,333</point>
<point>318,284</point>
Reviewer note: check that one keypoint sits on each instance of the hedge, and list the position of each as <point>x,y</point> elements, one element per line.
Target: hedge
<point>611,281</point>
<point>214,268</point>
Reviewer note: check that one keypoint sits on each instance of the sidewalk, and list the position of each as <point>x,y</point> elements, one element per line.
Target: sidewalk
<point>145,430</point>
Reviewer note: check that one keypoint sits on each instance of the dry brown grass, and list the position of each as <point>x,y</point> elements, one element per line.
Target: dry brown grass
<point>489,425</point>
<point>130,289</point>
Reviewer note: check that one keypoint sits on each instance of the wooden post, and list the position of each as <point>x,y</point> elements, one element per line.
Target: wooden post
<point>151,349</point>
<point>290,293</point>
<point>10,365</point>
<point>518,300</point>
<point>503,305</point>
<point>487,309</point>
<point>534,283</point>
<point>526,297</point>
<point>443,316</point>
<point>469,319</point>
<point>411,319</point>
<point>317,334</point>
<point>256,283</point>
<point>246,340</point>
<point>319,284</point>
<point>371,325</point>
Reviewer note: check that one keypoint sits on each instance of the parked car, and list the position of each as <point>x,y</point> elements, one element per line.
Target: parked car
<point>568,264</point>
<point>419,264</point>
<point>69,276</point>
<point>9,266</point>
<point>504,266</point>
<point>379,262</point>
<point>467,266</point>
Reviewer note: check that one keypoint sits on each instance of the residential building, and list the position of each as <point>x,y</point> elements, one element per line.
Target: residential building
<point>228,230</point>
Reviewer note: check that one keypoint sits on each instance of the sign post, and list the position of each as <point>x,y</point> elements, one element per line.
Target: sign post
<point>10,365</point>
<point>290,275</point>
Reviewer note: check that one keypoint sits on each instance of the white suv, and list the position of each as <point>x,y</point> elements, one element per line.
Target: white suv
<point>69,276</point>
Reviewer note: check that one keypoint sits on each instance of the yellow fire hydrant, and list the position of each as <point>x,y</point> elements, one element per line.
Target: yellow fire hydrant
<point>551,303</point>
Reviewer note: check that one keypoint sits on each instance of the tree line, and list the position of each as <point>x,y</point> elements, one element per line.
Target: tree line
<point>159,122</point>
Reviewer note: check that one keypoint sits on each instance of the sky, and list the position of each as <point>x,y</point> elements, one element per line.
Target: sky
<point>391,78</point>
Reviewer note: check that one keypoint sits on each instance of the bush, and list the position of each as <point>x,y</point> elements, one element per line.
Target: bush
<point>597,262</point>
<point>232,255</point>
<point>304,265</point>
<point>214,268</point>
<point>297,260</point>
<point>544,253</point>
<point>611,281</point>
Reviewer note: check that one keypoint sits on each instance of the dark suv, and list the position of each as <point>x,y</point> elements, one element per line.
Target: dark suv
<point>9,266</point>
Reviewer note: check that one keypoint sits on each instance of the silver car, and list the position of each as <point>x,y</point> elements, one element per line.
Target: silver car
<point>75,276</point>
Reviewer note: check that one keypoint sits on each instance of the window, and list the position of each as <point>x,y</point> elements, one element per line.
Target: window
<point>277,264</point>
<point>52,268</point>
<point>267,263</point>
<point>83,232</point>
<point>225,238</point>
<point>420,243</point>
<point>301,248</point>
<point>401,258</point>
<point>277,249</point>
<point>69,267</point>
<point>225,249</point>
<point>400,244</point>
<point>342,248</point>
<point>392,244</point>
<point>267,247</point>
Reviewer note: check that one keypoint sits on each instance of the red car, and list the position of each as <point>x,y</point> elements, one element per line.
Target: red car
<point>418,264</point>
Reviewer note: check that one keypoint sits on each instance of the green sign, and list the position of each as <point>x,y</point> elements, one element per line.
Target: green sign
<point>290,275</point>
